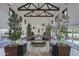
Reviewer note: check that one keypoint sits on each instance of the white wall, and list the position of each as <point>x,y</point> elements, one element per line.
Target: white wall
<point>37,22</point>
<point>4,16</point>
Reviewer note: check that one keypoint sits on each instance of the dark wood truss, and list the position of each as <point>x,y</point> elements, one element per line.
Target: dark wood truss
<point>32,8</point>
<point>38,14</point>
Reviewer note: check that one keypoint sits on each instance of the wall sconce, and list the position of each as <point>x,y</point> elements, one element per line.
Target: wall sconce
<point>33,27</point>
<point>65,13</point>
<point>24,21</point>
<point>51,21</point>
<point>20,18</point>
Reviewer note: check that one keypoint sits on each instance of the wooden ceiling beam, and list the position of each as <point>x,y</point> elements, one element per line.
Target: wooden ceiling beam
<point>53,6</point>
<point>38,16</point>
<point>38,10</point>
<point>23,6</point>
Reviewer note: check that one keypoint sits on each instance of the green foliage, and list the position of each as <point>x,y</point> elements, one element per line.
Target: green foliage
<point>29,32</point>
<point>62,31</point>
<point>66,17</point>
<point>48,30</point>
<point>14,27</point>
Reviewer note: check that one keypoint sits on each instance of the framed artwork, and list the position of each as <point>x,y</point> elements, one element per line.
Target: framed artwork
<point>33,27</point>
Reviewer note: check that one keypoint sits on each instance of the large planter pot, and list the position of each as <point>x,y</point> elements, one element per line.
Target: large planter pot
<point>54,50</point>
<point>21,49</point>
<point>61,50</point>
<point>11,51</point>
<point>64,50</point>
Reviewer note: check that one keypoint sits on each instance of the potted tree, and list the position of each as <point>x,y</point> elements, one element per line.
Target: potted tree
<point>29,31</point>
<point>14,33</point>
<point>62,48</point>
<point>47,33</point>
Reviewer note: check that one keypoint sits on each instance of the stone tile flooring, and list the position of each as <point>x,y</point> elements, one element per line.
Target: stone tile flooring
<point>40,51</point>
<point>73,52</point>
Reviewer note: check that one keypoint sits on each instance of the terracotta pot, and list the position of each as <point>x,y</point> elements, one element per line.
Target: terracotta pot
<point>11,51</point>
<point>64,51</point>
<point>60,50</point>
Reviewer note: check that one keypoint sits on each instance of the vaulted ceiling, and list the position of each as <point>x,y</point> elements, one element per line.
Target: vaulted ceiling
<point>73,9</point>
<point>38,9</point>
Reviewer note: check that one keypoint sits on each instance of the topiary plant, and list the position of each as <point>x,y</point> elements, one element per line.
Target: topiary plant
<point>48,30</point>
<point>29,31</point>
<point>14,26</point>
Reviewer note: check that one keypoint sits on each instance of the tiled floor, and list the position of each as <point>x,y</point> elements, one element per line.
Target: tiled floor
<point>38,51</point>
<point>74,52</point>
